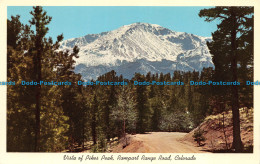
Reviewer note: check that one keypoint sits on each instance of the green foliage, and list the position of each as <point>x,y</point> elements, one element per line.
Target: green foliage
<point>124,113</point>
<point>101,145</point>
<point>141,105</point>
<point>27,54</point>
<point>227,46</point>
<point>198,136</point>
<point>175,122</point>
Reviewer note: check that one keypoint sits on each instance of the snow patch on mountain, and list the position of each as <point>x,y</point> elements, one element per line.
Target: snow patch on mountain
<point>139,47</point>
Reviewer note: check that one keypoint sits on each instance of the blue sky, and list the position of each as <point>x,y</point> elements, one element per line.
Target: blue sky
<point>79,21</point>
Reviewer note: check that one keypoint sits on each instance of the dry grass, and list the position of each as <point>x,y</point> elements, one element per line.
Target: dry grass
<point>218,130</point>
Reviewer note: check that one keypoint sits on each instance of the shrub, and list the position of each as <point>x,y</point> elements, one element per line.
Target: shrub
<point>198,136</point>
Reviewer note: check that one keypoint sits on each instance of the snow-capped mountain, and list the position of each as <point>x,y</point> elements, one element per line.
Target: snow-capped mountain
<point>139,47</point>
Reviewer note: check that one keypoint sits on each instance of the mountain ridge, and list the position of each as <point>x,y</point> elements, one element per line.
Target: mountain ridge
<point>130,46</point>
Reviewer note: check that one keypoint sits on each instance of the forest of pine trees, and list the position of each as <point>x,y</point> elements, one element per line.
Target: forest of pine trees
<point>51,118</point>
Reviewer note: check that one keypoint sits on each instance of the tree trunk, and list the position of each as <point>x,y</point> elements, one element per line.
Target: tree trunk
<point>224,131</point>
<point>124,133</point>
<point>83,133</point>
<point>107,112</point>
<point>93,126</point>
<point>38,72</point>
<point>237,143</point>
<point>37,116</point>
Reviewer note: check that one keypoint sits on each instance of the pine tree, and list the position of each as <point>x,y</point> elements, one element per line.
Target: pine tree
<point>230,30</point>
<point>19,103</point>
<point>32,57</point>
<point>94,110</point>
<point>40,20</point>
<point>125,112</point>
<point>141,105</point>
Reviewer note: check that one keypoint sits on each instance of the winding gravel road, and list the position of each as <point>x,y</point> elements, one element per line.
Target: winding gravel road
<point>161,142</point>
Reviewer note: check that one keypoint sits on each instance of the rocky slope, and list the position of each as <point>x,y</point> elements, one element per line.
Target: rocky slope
<point>218,131</point>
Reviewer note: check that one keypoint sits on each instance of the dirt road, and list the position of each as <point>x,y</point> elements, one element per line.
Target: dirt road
<point>160,142</point>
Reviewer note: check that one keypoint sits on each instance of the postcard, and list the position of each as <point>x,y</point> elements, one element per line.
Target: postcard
<point>127,82</point>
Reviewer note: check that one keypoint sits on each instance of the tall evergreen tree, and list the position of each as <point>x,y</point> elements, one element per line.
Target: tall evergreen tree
<point>94,112</point>
<point>233,26</point>
<point>125,112</point>
<point>40,20</point>
<point>141,105</point>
